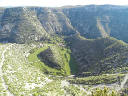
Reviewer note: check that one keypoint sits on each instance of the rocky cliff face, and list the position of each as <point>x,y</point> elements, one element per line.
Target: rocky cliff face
<point>21,25</point>
<point>34,23</point>
<point>99,21</point>
<point>95,23</point>
<point>54,21</point>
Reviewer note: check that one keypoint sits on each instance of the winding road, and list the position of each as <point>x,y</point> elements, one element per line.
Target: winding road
<point>1,72</point>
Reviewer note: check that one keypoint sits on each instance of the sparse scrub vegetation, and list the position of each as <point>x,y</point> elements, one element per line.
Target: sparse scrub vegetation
<point>101,79</point>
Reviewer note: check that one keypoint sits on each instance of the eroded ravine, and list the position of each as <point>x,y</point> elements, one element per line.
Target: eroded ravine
<point>1,72</point>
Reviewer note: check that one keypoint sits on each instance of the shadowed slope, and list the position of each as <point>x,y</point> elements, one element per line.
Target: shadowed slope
<point>97,56</point>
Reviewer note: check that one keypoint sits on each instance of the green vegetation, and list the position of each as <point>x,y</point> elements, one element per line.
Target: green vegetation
<point>37,63</point>
<point>30,24</point>
<point>73,65</point>
<point>101,79</point>
<point>104,92</point>
<point>124,92</point>
<point>75,91</point>
<point>99,56</point>
<point>56,55</point>
<point>51,44</point>
<point>2,90</point>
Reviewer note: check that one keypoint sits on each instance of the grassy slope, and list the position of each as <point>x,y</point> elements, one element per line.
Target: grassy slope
<point>70,66</point>
<point>36,62</point>
<point>73,64</point>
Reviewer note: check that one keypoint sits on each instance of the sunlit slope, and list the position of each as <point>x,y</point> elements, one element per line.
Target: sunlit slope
<point>28,24</point>
<point>54,21</point>
<point>22,78</point>
<point>21,25</point>
<point>53,59</point>
<point>93,21</point>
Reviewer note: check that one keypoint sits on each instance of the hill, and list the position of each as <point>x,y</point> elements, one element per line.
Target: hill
<point>91,21</point>
<point>99,56</point>
<point>21,25</point>
<point>66,51</point>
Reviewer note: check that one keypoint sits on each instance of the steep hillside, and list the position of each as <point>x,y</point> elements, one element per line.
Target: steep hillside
<point>94,21</point>
<point>21,25</point>
<point>56,58</point>
<point>1,12</point>
<point>98,56</point>
<point>66,51</point>
<point>26,24</point>
<point>54,21</point>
